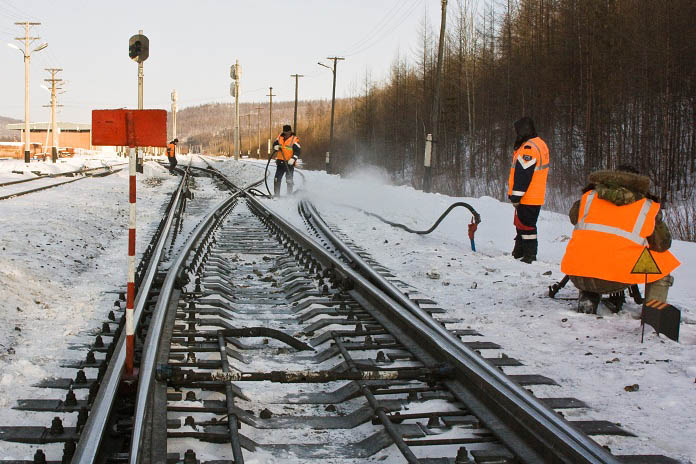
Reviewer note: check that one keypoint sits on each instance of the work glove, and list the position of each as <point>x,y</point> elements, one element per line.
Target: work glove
<point>292,161</point>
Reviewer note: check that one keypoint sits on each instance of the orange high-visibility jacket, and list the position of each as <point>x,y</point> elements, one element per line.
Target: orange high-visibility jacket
<point>608,240</point>
<point>533,152</point>
<point>285,152</point>
<point>171,150</point>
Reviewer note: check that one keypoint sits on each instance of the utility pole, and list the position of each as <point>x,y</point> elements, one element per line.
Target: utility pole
<point>335,59</point>
<point>270,118</point>
<point>294,120</point>
<point>248,132</point>
<point>175,97</point>
<point>258,131</point>
<point>27,60</point>
<point>235,74</point>
<point>435,110</point>
<point>54,124</point>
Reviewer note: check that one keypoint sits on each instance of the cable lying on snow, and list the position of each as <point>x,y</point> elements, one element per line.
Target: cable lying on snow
<point>475,221</point>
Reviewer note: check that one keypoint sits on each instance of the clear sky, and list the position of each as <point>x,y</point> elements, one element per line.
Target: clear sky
<point>193,43</point>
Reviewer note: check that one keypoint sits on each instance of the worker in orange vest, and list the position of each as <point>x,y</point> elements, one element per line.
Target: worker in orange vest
<point>287,151</point>
<point>527,187</point>
<point>171,154</point>
<point>615,220</point>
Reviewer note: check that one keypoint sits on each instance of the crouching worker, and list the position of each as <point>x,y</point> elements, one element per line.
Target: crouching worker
<point>171,154</point>
<point>287,149</point>
<point>614,221</point>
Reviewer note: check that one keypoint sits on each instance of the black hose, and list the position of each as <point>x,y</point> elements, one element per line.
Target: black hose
<point>257,193</point>
<point>287,172</point>
<point>477,218</point>
<point>265,175</point>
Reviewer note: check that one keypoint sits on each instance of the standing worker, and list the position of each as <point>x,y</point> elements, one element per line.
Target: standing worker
<point>527,187</point>
<point>615,220</point>
<point>171,154</point>
<point>287,150</point>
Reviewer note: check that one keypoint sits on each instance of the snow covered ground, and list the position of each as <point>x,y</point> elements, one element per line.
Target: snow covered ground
<point>62,253</point>
<point>592,357</point>
<point>15,169</point>
<point>63,250</point>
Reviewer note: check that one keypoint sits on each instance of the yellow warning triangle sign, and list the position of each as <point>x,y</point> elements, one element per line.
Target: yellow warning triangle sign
<point>646,264</point>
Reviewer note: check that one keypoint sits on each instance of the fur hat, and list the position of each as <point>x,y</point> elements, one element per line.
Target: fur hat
<point>635,182</point>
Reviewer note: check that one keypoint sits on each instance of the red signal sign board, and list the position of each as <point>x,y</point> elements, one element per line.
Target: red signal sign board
<point>129,128</point>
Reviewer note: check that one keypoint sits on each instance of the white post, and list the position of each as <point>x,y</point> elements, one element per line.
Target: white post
<point>237,79</point>
<point>27,143</point>
<point>175,97</point>
<point>428,150</point>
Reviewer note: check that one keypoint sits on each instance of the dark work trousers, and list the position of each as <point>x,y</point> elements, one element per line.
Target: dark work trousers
<point>172,162</point>
<point>526,217</point>
<point>281,168</point>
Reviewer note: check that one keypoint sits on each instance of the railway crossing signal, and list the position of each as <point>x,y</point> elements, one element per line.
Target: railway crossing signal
<point>236,75</point>
<point>139,48</point>
<point>139,51</point>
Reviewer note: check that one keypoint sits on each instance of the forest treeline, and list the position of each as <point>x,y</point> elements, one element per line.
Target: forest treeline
<point>209,126</point>
<point>607,82</point>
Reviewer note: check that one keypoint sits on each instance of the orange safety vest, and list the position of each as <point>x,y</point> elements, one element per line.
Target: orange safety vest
<point>171,150</point>
<point>608,240</point>
<point>285,152</point>
<point>536,192</point>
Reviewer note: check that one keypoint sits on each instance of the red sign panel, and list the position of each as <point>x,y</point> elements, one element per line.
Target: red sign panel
<point>129,128</point>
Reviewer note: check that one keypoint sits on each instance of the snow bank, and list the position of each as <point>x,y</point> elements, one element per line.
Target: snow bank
<point>15,169</point>
<point>62,253</point>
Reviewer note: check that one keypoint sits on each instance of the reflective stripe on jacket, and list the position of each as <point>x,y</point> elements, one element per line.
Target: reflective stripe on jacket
<point>532,153</point>
<point>286,146</point>
<point>608,239</point>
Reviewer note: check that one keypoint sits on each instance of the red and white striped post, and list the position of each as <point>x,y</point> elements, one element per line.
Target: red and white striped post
<point>118,128</point>
<point>130,296</point>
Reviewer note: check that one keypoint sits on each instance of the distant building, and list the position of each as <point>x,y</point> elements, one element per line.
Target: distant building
<point>71,136</point>
<point>16,149</point>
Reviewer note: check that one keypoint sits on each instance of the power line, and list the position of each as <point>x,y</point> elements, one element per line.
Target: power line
<point>404,16</point>
<point>19,13</point>
<point>382,22</point>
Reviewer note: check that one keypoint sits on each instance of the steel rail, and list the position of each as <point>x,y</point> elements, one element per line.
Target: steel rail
<point>94,429</point>
<point>147,365</point>
<point>552,437</point>
<point>46,187</point>
<point>60,174</point>
<point>531,430</point>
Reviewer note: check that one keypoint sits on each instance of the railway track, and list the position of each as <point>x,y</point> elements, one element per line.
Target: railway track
<point>17,188</point>
<point>264,342</point>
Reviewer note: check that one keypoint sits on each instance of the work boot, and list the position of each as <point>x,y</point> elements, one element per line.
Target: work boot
<point>529,251</point>
<point>517,251</point>
<point>276,188</point>
<point>615,301</point>
<point>588,302</point>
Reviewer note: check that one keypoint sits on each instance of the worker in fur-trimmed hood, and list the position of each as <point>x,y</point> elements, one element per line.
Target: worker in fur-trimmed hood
<point>615,220</point>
